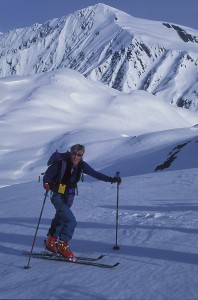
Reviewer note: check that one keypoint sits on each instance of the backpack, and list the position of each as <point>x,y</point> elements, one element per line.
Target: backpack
<point>58,156</point>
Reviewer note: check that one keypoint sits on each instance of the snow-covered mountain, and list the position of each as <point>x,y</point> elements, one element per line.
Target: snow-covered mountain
<point>112,47</point>
<point>135,133</point>
<point>153,144</point>
<point>131,132</point>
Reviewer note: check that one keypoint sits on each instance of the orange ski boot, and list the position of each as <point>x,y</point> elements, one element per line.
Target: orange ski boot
<point>51,244</point>
<point>64,250</point>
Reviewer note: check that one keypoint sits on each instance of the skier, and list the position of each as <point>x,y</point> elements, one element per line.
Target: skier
<point>63,192</point>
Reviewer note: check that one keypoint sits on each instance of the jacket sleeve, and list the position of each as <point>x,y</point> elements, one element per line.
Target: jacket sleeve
<point>90,171</point>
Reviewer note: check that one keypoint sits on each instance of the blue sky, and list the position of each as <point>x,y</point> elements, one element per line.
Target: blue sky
<point>23,13</point>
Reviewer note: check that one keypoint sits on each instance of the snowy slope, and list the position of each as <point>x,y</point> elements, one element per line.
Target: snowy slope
<point>157,235</point>
<point>54,110</point>
<point>132,133</point>
<point>112,47</point>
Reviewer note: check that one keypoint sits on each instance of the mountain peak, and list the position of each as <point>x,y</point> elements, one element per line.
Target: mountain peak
<point>110,46</point>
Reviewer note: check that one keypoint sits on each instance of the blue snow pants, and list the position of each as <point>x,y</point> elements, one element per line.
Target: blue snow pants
<point>64,222</point>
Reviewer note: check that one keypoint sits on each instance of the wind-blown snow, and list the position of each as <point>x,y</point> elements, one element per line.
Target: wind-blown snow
<point>136,134</point>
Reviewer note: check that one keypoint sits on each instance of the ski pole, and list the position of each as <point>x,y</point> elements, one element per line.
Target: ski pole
<point>116,247</point>
<point>28,265</point>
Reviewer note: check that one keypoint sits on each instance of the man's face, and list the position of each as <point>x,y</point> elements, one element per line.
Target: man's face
<point>76,157</point>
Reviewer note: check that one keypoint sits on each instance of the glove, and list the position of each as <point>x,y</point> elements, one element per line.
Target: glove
<point>46,186</point>
<point>115,179</point>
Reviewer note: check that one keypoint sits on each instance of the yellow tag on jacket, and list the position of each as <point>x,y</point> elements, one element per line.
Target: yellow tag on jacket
<point>61,188</point>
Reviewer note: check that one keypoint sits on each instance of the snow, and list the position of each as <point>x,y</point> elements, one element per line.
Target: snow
<point>109,46</point>
<point>132,133</point>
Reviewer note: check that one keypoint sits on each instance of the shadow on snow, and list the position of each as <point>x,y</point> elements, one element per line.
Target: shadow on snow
<point>24,242</point>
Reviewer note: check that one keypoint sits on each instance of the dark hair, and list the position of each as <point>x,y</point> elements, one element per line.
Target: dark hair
<point>77,147</point>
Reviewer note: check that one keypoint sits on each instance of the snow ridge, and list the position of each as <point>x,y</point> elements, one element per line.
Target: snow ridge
<point>112,47</point>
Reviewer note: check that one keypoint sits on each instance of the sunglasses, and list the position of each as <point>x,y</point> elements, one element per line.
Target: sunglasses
<point>76,154</point>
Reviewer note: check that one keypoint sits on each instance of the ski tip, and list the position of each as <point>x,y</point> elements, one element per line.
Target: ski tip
<point>115,265</point>
<point>101,256</point>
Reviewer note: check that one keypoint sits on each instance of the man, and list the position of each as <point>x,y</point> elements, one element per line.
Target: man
<point>63,182</point>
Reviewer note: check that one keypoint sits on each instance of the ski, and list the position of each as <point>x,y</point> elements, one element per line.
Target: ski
<point>49,254</point>
<point>77,261</point>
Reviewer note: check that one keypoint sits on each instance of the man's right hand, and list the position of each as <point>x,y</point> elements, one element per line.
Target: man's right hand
<point>46,186</point>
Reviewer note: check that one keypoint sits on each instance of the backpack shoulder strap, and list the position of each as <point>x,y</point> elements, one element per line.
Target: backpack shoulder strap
<point>63,168</point>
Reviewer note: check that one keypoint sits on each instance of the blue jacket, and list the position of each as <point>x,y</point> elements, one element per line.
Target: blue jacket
<point>54,173</point>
